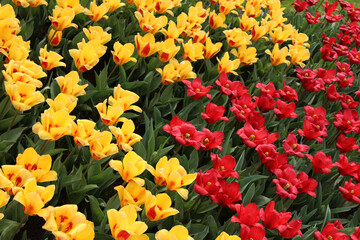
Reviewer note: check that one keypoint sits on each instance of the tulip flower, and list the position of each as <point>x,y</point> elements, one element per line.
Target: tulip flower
<point>18,50</point>
<point>38,166</point>
<point>237,37</point>
<point>228,66</point>
<point>62,18</point>
<point>177,232</point>
<point>226,6</point>
<point>350,192</point>
<point>164,6</point>
<point>292,148</point>
<point>246,22</point>
<point>54,37</point>
<point>84,132</point>
<point>69,84</point>
<point>50,60</point>
<point>167,50</point>
<point>122,53</point>
<point>346,144</point>
<point>149,23</point>
<point>123,224</point>
<point>97,33</point>
<point>331,231</point>
<point>74,4</point>
<point>131,167</point>
<point>102,147</point>
<point>258,32</point>
<point>62,102</point>
<point>291,229</point>
<point>133,194</point>
<point>321,163</point>
<point>33,197</point>
<point>146,45</point>
<point>65,222</point>
<point>87,55</point>
<point>196,90</point>
<point>125,99</point>
<point>4,199</point>
<point>173,175</point>
<point>53,125</point>
<point>225,236</point>
<point>193,51</point>
<point>13,176</point>
<point>246,55</point>
<point>159,207</point>
<point>176,72</point>
<point>27,67</point>
<point>109,114</point>
<point>96,12</point>
<point>114,4</point>
<point>217,20</point>
<point>173,32</point>
<point>125,137</point>
<point>298,54</point>
<point>211,49</point>
<point>278,56</point>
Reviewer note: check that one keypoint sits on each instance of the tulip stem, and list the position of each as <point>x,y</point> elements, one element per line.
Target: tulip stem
<point>12,123</point>
<point>44,146</point>
<point>6,103</point>
<point>20,225</point>
<point>192,206</point>
<point>177,150</point>
<point>68,156</point>
<point>341,203</point>
<point>111,73</point>
<point>87,169</point>
<point>134,68</point>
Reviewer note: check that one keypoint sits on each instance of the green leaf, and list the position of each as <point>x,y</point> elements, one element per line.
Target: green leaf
<point>327,216</point>
<point>193,161</point>
<point>249,194</point>
<point>247,180</point>
<point>96,213</point>
<point>5,123</point>
<point>7,229</point>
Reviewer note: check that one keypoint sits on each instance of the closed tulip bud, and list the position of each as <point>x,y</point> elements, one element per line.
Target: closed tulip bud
<point>4,199</point>
<point>69,84</point>
<point>146,45</point>
<point>246,22</point>
<point>50,60</point>
<point>278,56</point>
<point>158,207</point>
<point>217,20</point>
<point>53,125</point>
<point>38,166</point>
<point>130,167</point>
<point>211,49</point>
<point>228,66</point>
<point>125,137</point>
<point>176,232</point>
<point>123,224</point>
<point>84,132</point>
<point>122,53</point>
<point>193,51</point>
<point>102,147</point>
<point>246,55</point>
<point>237,37</point>
<point>96,12</point>
<point>54,37</point>
<point>23,96</point>
<point>97,33</point>
<point>149,23</point>
<point>62,18</point>
<point>167,50</point>
<point>33,197</point>
<point>114,4</point>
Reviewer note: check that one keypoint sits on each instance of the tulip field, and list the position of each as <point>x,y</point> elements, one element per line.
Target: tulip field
<point>179,119</point>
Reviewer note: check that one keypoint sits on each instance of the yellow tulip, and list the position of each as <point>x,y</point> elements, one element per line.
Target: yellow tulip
<point>133,194</point>
<point>173,175</point>
<point>300,39</point>
<point>28,67</point>
<point>278,56</point>
<point>17,49</point>
<point>125,137</point>
<point>146,45</point>
<point>88,54</point>
<point>62,102</point>
<point>258,32</point>
<point>149,23</point>
<point>9,27</point>
<point>158,207</point>
<point>280,35</point>
<point>84,132</point>
<point>4,199</point>
<point>225,236</point>
<point>96,12</point>
<point>211,49</point>
<point>69,84</point>
<point>109,114</point>
<point>97,33</point>
<point>62,18</point>
<point>252,9</point>
<point>36,3</point>
<point>173,32</point>
<point>7,11</point>
<point>125,99</point>
<point>53,125</point>
<point>102,146</point>
<point>246,22</point>
<point>12,75</point>
<point>193,51</point>
<point>177,232</point>
<point>74,4</point>
<point>65,222</point>
<point>228,66</point>
<point>246,55</point>
<point>131,167</point>
<point>143,5</point>
<point>123,224</point>
<point>122,53</point>
<point>237,37</point>
<point>13,176</point>
<point>164,6</point>
<point>33,197</point>
<point>23,96</point>
<point>217,20</point>
<point>169,74</point>
<point>50,60</point>
<point>114,4</point>
<point>298,54</point>
<point>227,6</point>
<point>167,50</point>
<point>54,37</point>
<point>38,166</point>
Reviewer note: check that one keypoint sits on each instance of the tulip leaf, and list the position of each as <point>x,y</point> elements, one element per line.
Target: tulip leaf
<point>103,236</point>
<point>247,180</point>
<point>249,194</point>
<point>70,179</point>
<point>5,105</point>
<point>5,123</point>
<point>199,230</point>
<point>96,213</point>
<point>327,216</point>
<point>7,229</point>
<point>101,79</point>
<point>193,161</point>
<point>212,226</point>
<point>14,211</point>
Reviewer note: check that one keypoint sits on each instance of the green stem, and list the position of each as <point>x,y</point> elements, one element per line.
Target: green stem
<point>87,169</point>
<point>134,68</point>
<point>192,206</point>
<point>20,225</point>
<point>44,146</point>
<point>177,150</point>
<point>111,73</point>
<point>6,103</point>
<point>68,157</point>
<point>12,122</point>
